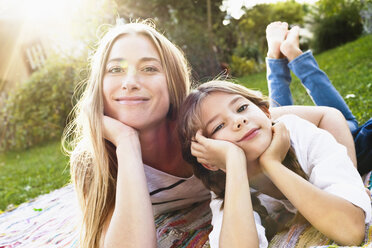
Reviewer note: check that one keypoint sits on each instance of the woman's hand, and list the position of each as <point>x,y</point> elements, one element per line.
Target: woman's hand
<point>213,153</point>
<point>279,146</point>
<point>117,132</point>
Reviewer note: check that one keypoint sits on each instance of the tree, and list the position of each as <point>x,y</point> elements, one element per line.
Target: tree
<point>189,24</point>
<point>251,27</point>
<point>335,23</point>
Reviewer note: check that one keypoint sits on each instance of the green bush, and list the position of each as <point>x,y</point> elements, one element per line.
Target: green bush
<point>37,110</point>
<point>332,29</point>
<point>241,66</point>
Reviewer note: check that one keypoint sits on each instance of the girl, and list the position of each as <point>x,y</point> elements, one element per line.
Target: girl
<point>229,138</point>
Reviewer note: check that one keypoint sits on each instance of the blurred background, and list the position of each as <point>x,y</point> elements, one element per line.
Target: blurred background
<point>46,44</point>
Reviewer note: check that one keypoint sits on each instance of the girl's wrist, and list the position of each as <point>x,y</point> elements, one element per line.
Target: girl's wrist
<point>268,165</point>
<point>235,157</point>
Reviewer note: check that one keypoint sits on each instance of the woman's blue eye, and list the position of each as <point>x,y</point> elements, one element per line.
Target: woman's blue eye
<point>150,69</point>
<point>115,69</point>
<point>242,108</point>
<point>217,128</point>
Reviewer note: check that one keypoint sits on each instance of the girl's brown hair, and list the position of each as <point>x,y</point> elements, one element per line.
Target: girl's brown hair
<point>189,123</point>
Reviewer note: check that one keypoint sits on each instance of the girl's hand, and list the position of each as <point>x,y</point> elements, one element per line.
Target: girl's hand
<point>279,146</point>
<point>213,153</point>
<point>117,132</point>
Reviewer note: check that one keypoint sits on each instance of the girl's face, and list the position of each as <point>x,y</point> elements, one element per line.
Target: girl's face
<point>233,118</point>
<point>134,85</point>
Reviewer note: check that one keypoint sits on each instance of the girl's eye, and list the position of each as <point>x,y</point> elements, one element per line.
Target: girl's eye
<point>242,108</point>
<point>115,69</point>
<point>217,128</point>
<point>150,69</point>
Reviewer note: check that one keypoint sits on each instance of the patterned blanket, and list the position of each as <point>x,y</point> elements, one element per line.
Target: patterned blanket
<point>51,220</point>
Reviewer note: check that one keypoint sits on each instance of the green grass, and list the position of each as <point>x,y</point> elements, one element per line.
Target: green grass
<point>349,67</point>
<point>27,174</point>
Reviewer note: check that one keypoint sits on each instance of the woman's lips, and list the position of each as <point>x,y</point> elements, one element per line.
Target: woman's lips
<point>131,100</point>
<point>250,135</point>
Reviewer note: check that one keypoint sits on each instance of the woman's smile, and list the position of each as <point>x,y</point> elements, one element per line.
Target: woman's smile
<point>132,100</point>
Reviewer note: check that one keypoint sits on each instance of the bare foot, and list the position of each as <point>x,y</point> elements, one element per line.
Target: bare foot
<point>276,33</point>
<point>290,47</point>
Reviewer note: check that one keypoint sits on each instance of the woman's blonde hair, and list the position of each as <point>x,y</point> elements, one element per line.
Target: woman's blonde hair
<point>93,162</point>
<point>189,123</point>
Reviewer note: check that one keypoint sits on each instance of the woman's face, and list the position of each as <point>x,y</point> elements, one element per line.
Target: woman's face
<point>233,118</point>
<point>134,84</point>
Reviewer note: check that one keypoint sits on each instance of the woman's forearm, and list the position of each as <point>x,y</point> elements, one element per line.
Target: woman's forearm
<point>238,225</point>
<point>132,216</point>
<point>335,217</point>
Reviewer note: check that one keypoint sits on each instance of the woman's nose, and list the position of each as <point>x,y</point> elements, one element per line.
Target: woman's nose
<point>130,82</point>
<point>240,122</point>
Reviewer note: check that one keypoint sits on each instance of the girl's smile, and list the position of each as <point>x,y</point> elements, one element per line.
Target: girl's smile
<point>233,118</point>
<point>251,134</point>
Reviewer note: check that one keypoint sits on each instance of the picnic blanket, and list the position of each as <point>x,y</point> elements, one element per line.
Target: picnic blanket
<point>52,220</point>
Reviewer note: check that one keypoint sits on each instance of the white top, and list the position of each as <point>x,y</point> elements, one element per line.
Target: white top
<point>168,192</point>
<point>324,161</point>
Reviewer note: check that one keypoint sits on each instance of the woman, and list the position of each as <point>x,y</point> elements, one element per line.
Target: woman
<point>126,163</point>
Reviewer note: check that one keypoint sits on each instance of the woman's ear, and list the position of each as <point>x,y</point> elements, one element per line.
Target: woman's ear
<point>210,167</point>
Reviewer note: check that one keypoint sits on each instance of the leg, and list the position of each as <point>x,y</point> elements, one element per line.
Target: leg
<point>278,74</point>
<point>318,85</point>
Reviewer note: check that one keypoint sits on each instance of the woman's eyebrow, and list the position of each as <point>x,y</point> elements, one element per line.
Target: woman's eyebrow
<point>150,59</point>
<point>118,59</point>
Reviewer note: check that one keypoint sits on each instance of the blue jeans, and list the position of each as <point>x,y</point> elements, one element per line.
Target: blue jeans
<point>316,82</point>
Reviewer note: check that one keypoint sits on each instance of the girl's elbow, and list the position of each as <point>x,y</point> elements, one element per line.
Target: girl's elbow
<point>359,234</point>
<point>355,235</point>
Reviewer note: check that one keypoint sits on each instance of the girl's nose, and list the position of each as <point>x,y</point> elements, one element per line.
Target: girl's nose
<point>240,122</point>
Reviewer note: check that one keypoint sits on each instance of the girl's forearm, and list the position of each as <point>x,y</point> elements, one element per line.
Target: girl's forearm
<point>238,225</point>
<point>132,216</point>
<point>335,217</point>
<point>329,119</point>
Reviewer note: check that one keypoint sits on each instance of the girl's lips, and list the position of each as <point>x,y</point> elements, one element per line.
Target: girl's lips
<point>250,135</point>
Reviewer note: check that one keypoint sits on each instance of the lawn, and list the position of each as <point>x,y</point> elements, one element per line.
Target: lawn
<point>350,69</point>
<point>27,174</point>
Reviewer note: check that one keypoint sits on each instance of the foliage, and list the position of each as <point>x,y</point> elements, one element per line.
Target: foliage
<point>251,27</point>
<point>366,14</point>
<point>335,23</point>
<point>186,24</point>
<point>27,174</point>
<point>241,66</point>
<point>37,110</point>
<point>349,67</point>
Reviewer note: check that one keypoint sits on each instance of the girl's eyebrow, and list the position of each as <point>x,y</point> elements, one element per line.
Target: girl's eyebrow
<point>232,102</point>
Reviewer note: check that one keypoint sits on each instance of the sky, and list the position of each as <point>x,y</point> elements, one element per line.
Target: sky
<point>233,7</point>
